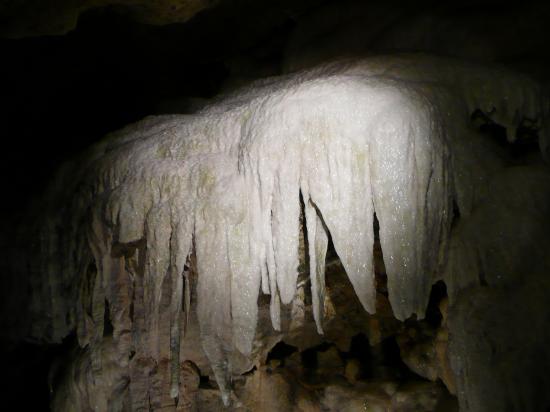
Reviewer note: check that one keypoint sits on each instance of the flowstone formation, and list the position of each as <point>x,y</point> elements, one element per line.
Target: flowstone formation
<point>175,229</point>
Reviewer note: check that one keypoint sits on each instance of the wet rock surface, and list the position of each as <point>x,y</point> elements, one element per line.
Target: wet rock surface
<point>362,363</point>
<point>152,336</point>
<point>357,365</point>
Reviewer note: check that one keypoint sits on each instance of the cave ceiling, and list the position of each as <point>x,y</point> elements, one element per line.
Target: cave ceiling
<point>74,71</point>
<point>39,18</point>
<point>25,18</point>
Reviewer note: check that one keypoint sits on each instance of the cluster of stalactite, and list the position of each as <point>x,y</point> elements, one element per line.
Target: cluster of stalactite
<point>387,135</point>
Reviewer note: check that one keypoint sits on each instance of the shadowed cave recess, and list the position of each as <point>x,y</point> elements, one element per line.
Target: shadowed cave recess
<point>306,205</point>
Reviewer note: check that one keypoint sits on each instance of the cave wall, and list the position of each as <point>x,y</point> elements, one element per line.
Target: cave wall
<point>65,92</point>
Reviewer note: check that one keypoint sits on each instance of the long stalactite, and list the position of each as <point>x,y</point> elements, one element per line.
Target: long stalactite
<point>388,135</point>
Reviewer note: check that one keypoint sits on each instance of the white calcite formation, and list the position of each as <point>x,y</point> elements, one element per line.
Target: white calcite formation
<point>389,135</point>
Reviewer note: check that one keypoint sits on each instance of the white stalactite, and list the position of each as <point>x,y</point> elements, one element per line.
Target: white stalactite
<point>387,135</point>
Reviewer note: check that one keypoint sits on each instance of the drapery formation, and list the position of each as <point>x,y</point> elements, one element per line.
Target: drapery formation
<point>389,135</point>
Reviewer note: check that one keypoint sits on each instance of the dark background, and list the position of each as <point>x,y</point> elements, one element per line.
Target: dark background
<point>61,93</point>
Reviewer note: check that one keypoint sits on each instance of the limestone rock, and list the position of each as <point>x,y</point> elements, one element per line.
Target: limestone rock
<point>330,361</point>
<point>414,397</point>
<point>268,392</point>
<point>346,399</point>
<point>352,370</point>
<point>39,18</point>
<point>178,238</point>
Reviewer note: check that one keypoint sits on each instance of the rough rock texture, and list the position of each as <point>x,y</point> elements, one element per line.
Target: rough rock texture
<point>39,18</point>
<point>172,231</point>
<point>425,350</point>
<point>482,31</point>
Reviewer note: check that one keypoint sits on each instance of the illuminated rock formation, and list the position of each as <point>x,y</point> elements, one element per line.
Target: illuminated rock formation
<point>211,203</point>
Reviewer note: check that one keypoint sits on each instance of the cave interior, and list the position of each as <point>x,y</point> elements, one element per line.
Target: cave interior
<point>73,72</point>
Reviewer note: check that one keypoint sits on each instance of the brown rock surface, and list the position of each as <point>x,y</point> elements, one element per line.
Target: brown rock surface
<point>38,18</point>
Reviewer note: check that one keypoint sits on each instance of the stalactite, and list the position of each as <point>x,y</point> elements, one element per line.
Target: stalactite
<point>386,135</point>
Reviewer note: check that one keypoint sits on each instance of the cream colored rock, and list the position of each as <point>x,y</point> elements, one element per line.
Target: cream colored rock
<point>177,227</point>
